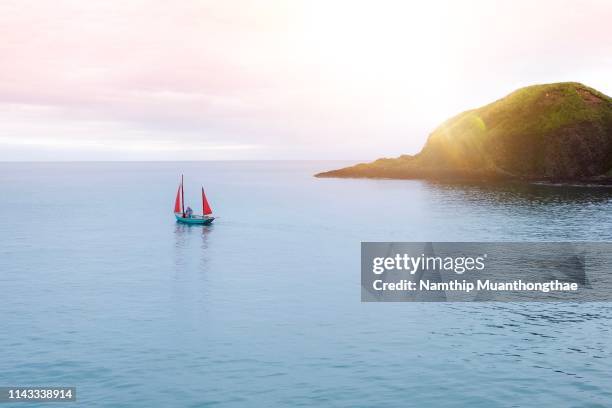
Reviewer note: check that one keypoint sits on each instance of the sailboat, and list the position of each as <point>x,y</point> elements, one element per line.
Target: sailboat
<point>179,209</point>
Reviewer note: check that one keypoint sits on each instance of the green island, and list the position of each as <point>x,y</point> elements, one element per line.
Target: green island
<point>560,132</point>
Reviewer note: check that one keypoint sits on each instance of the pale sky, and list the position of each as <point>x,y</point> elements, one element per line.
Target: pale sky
<point>203,80</point>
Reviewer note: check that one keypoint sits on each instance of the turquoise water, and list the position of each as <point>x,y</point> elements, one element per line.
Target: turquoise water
<point>102,290</point>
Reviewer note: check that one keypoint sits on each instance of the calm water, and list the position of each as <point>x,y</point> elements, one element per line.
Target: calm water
<point>102,290</point>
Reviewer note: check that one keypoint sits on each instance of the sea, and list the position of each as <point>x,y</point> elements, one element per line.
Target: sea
<point>102,290</point>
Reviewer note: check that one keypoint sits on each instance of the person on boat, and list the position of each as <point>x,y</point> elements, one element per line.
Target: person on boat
<point>188,212</point>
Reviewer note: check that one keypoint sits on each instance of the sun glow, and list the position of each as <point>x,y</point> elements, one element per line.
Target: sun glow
<point>399,51</point>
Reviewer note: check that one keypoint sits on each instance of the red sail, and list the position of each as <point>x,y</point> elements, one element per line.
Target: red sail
<point>205,206</point>
<point>177,202</point>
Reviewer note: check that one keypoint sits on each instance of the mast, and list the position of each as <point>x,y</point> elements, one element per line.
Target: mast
<point>182,196</point>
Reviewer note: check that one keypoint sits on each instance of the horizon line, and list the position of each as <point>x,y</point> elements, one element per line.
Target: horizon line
<point>177,161</point>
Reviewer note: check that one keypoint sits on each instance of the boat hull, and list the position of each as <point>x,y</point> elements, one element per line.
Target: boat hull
<point>195,220</point>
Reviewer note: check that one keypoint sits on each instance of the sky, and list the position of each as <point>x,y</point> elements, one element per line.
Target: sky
<point>219,80</point>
